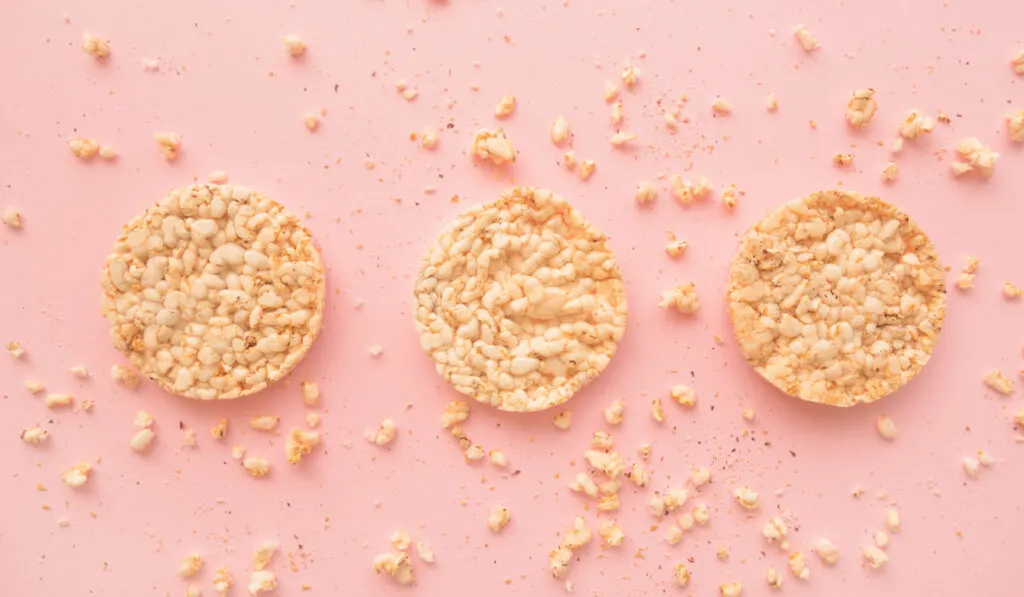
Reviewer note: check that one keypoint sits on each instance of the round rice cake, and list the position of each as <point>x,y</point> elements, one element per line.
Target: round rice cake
<point>837,298</point>
<point>520,302</point>
<point>214,292</point>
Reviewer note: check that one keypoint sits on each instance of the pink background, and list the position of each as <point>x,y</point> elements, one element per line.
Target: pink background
<point>227,86</point>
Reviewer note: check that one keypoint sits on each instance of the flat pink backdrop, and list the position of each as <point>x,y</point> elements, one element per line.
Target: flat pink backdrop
<point>227,86</point>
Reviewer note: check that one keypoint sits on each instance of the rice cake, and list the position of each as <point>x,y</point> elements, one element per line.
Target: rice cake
<point>214,292</point>
<point>837,298</point>
<point>520,302</point>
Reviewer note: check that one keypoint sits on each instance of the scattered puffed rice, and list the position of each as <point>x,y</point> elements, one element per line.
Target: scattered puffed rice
<point>729,197</point>
<point>965,281</point>
<point>971,465</point>
<point>492,146</point>
<point>640,474</point>
<point>1015,126</point>
<point>609,463</point>
<point>11,218</point>
<point>748,414</point>
<point>505,106</point>
<point>584,484</point>
<point>1018,419</point>
<point>34,386</point>
<point>257,467</point>
<point>559,130</point>
<point>798,565</point>
<point>34,435</point>
<point>1011,291</point>
<point>262,581</point>
<point>79,371</point>
<point>395,564</point>
<point>190,566</point>
<point>91,44</point>
<point>601,440</point>
<point>56,400</point>
<point>299,443</point>
<point>881,539</point>
<point>125,376</point>
<point>657,410</point>
<point>805,38</point>
<point>974,156</point>
<point>401,540</point>
<point>774,530</point>
<point>311,120</point>
<point>686,192</point>
<point>264,422</point>
<point>219,430</point>
<point>217,177</point>
<point>498,458</point>
<point>681,575</point>
<point>498,518</point>
<point>774,578</point>
<point>892,520</point>
<point>886,427</point>
<point>569,160</point>
<point>700,476</point>
<point>676,248</point>
<point>701,514</point>
<point>563,420</point>
<point>874,557</point>
<point>238,452</point>
<point>428,138</point>
<point>684,395</point>
<point>890,172</point>
<point>861,107</point>
<point>746,497</point>
<point>915,124</point>
<point>107,152</point>
<point>188,437</point>
<point>732,589</point>
<point>455,412</point>
<point>614,413</point>
<point>721,106</point>
<point>15,349</point>
<point>630,76</point>
<point>842,159</point>
<point>618,113</point>
<point>473,453</point>
<point>425,552</point>
<point>611,532</point>
<point>771,102</point>
<point>222,580</point>
<point>682,297</point>
<point>827,551</point>
<point>170,143</point>
<point>84,149</point>
<point>611,91</point>
<point>995,380</point>
<point>587,168</point>
<point>77,475</point>
<point>578,536</point>
<point>383,435</point>
<point>622,138</point>
<point>141,440</point>
<point>1017,62</point>
<point>294,45</point>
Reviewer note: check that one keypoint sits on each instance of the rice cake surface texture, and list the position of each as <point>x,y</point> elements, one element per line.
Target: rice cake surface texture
<point>837,298</point>
<point>520,302</point>
<point>214,292</point>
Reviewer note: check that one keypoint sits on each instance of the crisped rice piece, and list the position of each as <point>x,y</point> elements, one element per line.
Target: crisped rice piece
<point>215,292</point>
<point>837,298</point>
<point>861,107</point>
<point>520,302</point>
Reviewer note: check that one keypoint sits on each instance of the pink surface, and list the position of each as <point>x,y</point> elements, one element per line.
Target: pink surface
<point>227,86</point>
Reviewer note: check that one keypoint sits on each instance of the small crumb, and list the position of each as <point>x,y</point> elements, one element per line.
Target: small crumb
<point>890,172</point>
<point>188,437</point>
<point>15,349</point>
<point>657,410</point>
<point>125,376</point>
<point>77,475</point>
<point>630,76</point>
<point>95,46</point>
<point>676,248</point>
<point>771,103</point>
<point>312,121</point>
<point>640,474</point>
<point>34,435</point>
<point>611,532</point>
<point>622,138</point>
<point>563,420</point>
<point>798,565</point>
<point>299,443</point>
<point>1017,62</point>
<point>774,530</point>
<point>169,143</point>
<point>584,484</point>
<point>569,159</point>
<point>455,412</point>
<point>238,452</point>
<point>601,440</point>
<point>861,107</point>
<point>857,491</point>
<point>217,177</point>
<point>700,476</point>
<point>410,94</point>
<point>874,557</point>
<point>107,152</point>
<point>827,551</point>
<point>748,414</point>
<point>995,380</point>
<point>222,580</point>
<point>886,427</point>
<point>614,413</point>
<point>384,434</point>
<point>684,395</point>
<point>498,458</point>
<point>505,107</point>
<point>294,45</point>
<point>59,400</point>
<point>683,298</point>
<point>559,130</point>
<point>746,497</point>
<point>141,440</point>
<point>721,106</point>
<point>965,281</point>
<point>587,168</point>
<point>34,386</point>
<point>618,113</point>
<point>376,350</point>
<point>428,138</point>
<point>219,430</point>
<point>425,552</point>
<point>492,146</point>
<point>731,589</point>
<point>916,124</point>
<point>971,267</point>
<point>1015,126</point>
<point>310,393</point>
<point>257,467</point>
<point>686,192</point>
<point>11,218</point>
<point>611,91</point>
<point>897,145</point>
<point>881,539</point>
<point>805,38</point>
<point>971,465</point>
<point>722,553</point>
<point>498,518</point>
<point>401,540</point>
<point>474,453</point>
<point>646,192</point>
<point>892,520</point>
<point>190,566</point>
<point>729,199</point>
<point>262,581</point>
<point>1010,291</point>
<point>681,575</point>
<point>974,157</point>
<point>82,148</point>
<point>397,565</point>
<point>842,159</point>
<point>774,578</point>
<point>671,119</point>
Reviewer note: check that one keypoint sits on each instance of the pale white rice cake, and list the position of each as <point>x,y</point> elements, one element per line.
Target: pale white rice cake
<point>520,302</point>
<point>837,298</point>
<point>215,292</point>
